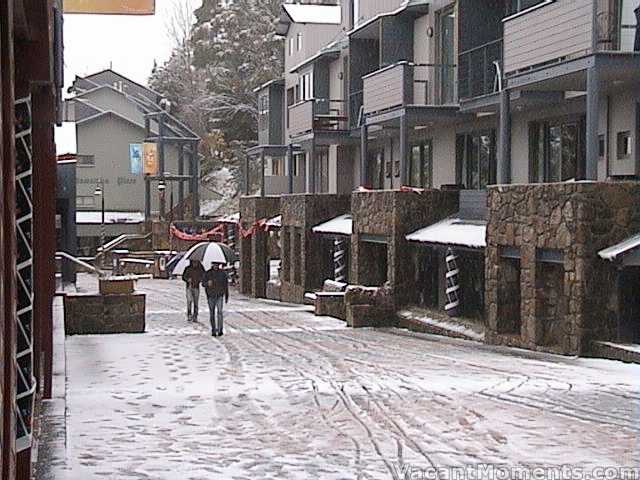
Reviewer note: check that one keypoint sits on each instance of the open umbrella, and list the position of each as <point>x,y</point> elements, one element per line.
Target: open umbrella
<point>207,253</point>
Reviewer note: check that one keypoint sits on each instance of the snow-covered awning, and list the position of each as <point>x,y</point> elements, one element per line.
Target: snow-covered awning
<point>342,225</point>
<point>455,232</point>
<point>311,13</point>
<point>235,218</point>
<point>307,13</point>
<point>418,7</point>
<point>621,249</point>
<point>95,217</point>
<point>275,222</point>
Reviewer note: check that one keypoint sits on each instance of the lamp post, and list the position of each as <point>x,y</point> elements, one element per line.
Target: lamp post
<point>99,192</point>
<point>162,187</point>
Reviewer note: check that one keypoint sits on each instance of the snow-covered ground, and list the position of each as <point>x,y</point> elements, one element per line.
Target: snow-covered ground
<point>286,395</point>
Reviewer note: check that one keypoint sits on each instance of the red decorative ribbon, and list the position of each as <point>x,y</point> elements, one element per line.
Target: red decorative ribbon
<point>197,237</point>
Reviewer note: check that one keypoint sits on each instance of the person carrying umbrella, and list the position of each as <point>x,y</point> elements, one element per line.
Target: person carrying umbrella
<point>193,276</point>
<point>216,284</point>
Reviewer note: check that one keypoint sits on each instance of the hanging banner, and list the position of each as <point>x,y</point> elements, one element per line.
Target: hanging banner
<point>135,158</point>
<point>150,153</point>
<point>197,237</point>
<point>110,7</point>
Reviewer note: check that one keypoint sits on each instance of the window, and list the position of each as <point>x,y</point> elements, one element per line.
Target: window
<point>299,41</point>
<point>421,165</point>
<point>291,45</point>
<point>624,145</point>
<point>263,112</point>
<point>306,86</point>
<point>322,170</point>
<point>602,147</point>
<point>476,159</point>
<point>277,166</point>
<point>298,164</point>
<point>556,150</point>
<point>86,161</point>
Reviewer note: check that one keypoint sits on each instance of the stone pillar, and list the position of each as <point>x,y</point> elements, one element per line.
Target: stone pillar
<point>504,151</point>
<point>404,149</point>
<point>593,114</point>
<point>364,133</point>
<point>259,264</point>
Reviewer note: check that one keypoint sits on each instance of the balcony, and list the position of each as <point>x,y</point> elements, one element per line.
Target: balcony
<point>317,115</point>
<point>565,30</point>
<point>404,83</point>
<point>480,70</point>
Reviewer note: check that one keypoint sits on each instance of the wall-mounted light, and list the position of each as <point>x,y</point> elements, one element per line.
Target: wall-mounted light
<point>340,75</point>
<point>430,32</point>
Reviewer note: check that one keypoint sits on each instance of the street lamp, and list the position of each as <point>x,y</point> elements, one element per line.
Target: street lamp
<point>162,187</point>
<point>99,192</point>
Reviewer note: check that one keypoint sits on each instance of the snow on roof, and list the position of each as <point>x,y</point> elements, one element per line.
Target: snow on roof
<point>275,222</point>
<point>453,231</point>
<point>342,225</point>
<point>306,13</point>
<point>95,217</point>
<point>612,253</point>
<point>235,218</point>
<point>65,137</point>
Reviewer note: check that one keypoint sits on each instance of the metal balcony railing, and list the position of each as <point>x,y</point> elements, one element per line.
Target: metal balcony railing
<point>318,114</point>
<point>479,73</point>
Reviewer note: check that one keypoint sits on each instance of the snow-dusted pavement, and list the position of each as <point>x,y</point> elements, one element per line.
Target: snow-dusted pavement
<point>286,395</point>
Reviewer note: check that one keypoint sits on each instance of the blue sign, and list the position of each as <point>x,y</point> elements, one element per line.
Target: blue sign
<point>135,158</point>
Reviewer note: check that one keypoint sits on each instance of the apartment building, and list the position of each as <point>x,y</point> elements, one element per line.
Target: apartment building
<point>483,161</point>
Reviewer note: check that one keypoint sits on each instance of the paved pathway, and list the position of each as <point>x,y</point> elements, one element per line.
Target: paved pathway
<point>286,395</point>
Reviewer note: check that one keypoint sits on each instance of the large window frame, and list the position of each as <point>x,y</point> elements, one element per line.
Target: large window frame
<point>476,162</point>
<point>322,169</point>
<point>521,7</point>
<point>557,149</point>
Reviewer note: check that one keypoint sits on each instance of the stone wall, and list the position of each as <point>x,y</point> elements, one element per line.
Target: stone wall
<point>566,305</point>
<point>254,251</point>
<point>306,262</point>
<point>87,314</point>
<point>390,215</point>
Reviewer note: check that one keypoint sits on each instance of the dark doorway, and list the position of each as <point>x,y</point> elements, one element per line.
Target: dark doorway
<point>509,297</point>
<point>425,267</point>
<point>629,325</point>
<point>550,303</point>
<point>373,258</point>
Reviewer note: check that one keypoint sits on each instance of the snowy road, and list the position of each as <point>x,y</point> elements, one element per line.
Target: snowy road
<point>286,395</point>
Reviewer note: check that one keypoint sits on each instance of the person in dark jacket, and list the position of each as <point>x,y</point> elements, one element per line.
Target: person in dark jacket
<point>192,277</point>
<point>216,284</point>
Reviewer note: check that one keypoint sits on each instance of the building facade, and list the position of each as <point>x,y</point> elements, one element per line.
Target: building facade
<point>457,131</point>
<point>114,117</point>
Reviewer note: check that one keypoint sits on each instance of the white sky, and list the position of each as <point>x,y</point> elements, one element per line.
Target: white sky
<point>127,44</point>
